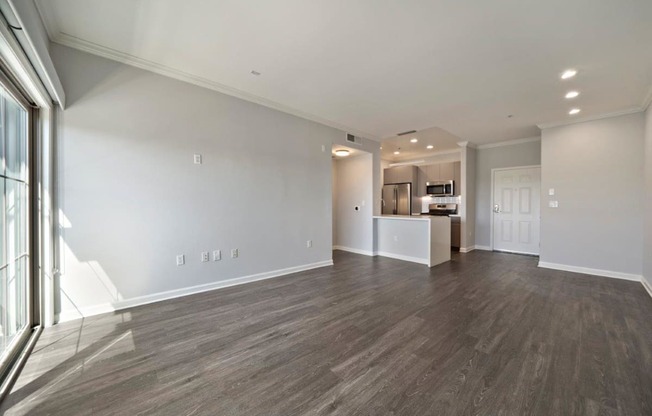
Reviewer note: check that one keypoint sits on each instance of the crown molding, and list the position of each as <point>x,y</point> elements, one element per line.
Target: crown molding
<point>466,144</point>
<point>118,56</point>
<point>510,142</point>
<point>632,110</point>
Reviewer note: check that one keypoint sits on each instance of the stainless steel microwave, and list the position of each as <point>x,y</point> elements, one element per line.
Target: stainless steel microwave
<point>440,188</point>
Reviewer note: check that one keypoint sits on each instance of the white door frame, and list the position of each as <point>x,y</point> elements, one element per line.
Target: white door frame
<point>491,205</point>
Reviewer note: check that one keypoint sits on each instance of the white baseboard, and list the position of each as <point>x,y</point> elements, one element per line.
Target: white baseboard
<point>595,272</point>
<point>647,286</point>
<point>404,258</point>
<point>467,249</point>
<point>483,248</point>
<point>355,250</point>
<point>177,293</point>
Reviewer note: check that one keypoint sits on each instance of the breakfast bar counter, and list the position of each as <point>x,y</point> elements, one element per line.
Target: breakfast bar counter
<point>422,239</point>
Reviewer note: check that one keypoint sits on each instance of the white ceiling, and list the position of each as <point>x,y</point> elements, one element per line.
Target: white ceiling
<point>380,67</point>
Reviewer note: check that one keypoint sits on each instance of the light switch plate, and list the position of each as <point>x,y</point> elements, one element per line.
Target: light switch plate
<point>553,204</point>
<point>217,255</point>
<point>197,159</point>
<point>551,191</point>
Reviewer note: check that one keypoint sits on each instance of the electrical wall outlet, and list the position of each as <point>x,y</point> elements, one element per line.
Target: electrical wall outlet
<point>181,260</point>
<point>217,255</point>
<point>197,159</point>
<point>309,243</point>
<point>204,256</point>
<point>234,253</point>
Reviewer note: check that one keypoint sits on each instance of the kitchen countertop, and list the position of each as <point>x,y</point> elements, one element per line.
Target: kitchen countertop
<point>408,217</point>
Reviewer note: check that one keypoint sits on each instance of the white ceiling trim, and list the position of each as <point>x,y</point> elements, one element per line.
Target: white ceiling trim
<point>95,49</point>
<point>510,142</point>
<point>625,112</point>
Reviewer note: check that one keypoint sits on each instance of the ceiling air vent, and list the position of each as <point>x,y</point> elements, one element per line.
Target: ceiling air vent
<point>352,139</point>
<point>406,132</point>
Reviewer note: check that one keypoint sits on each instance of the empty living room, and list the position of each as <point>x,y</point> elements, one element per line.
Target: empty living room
<point>322,207</point>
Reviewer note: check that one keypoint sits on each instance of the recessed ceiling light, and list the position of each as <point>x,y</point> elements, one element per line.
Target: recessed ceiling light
<point>397,152</point>
<point>430,146</point>
<point>342,152</point>
<point>413,140</point>
<point>569,73</point>
<point>381,147</point>
<point>574,111</point>
<point>256,73</point>
<point>572,94</point>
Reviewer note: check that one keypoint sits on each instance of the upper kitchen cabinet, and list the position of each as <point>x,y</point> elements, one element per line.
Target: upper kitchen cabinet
<point>400,174</point>
<point>446,172</point>
<point>457,177</point>
<point>432,173</point>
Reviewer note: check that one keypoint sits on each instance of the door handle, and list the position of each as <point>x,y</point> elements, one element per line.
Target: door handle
<point>497,208</point>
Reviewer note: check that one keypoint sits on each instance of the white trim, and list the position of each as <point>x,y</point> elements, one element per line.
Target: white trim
<point>177,293</point>
<point>647,286</point>
<point>355,250</point>
<point>467,249</point>
<point>632,110</point>
<point>483,248</point>
<point>404,258</point>
<point>115,55</point>
<point>491,216</point>
<point>589,271</point>
<point>466,144</point>
<point>510,142</point>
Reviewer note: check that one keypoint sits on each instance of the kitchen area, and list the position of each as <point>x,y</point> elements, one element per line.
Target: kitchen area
<point>420,218</point>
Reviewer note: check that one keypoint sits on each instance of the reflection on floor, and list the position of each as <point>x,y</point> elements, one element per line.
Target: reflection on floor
<point>486,333</point>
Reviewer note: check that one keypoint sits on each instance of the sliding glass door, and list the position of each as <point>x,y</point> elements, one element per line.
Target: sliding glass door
<point>15,272</point>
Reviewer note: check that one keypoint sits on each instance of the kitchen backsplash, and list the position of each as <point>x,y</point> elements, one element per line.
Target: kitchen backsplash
<point>427,200</point>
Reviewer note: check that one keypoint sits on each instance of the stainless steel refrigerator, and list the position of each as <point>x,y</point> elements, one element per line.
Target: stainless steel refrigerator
<point>397,199</point>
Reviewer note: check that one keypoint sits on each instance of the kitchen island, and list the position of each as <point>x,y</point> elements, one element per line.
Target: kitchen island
<point>423,239</point>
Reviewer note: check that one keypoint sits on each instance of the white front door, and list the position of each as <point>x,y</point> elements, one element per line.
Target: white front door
<point>517,209</point>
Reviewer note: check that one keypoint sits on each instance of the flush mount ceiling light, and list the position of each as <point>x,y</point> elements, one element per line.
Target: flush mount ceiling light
<point>574,111</point>
<point>413,140</point>
<point>342,152</point>
<point>430,146</point>
<point>572,94</point>
<point>569,73</point>
<point>397,152</point>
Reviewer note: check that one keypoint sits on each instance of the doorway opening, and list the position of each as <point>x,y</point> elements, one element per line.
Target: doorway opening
<point>353,206</point>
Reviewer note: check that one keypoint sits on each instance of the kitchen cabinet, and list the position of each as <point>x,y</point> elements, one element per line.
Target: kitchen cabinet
<point>432,173</point>
<point>456,228</point>
<point>400,174</point>
<point>446,171</point>
<point>457,177</point>
<point>422,178</point>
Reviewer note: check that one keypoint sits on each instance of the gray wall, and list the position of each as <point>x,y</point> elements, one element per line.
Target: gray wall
<point>131,199</point>
<point>522,154</point>
<point>596,169</point>
<point>353,186</point>
<point>647,249</point>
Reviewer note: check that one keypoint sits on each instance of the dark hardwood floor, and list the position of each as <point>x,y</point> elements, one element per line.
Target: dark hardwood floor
<point>485,334</point>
